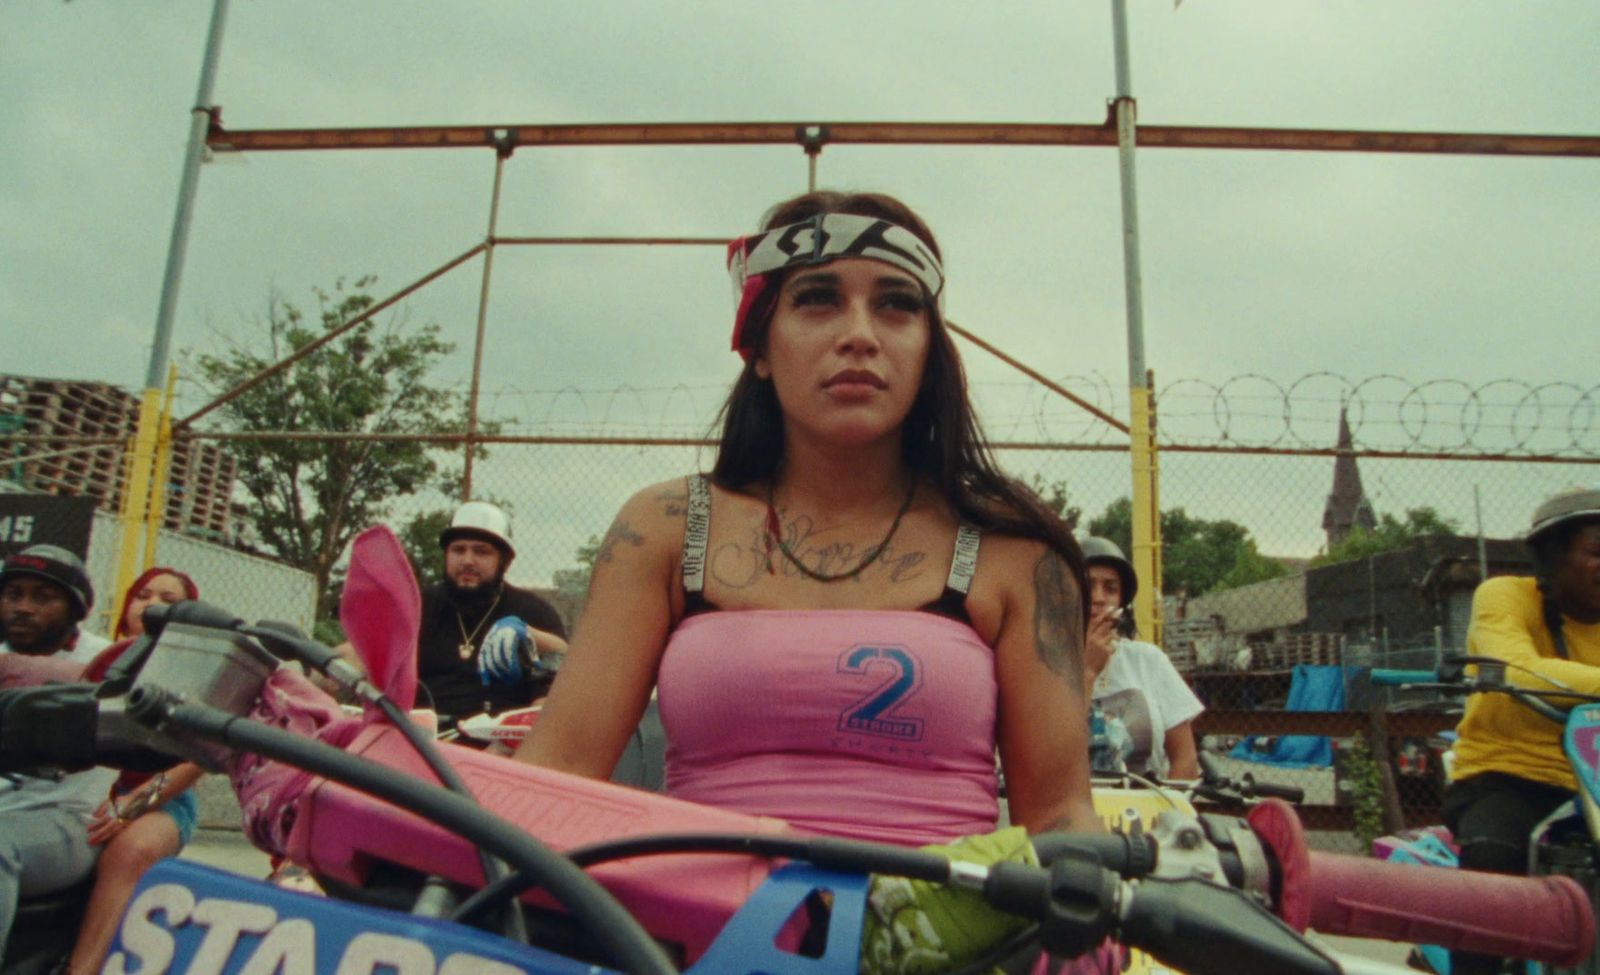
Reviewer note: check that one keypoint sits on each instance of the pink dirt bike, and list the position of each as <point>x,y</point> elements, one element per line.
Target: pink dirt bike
<point>505,868</point>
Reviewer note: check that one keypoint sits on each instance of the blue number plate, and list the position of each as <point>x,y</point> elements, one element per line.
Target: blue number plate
<point>189,919</point>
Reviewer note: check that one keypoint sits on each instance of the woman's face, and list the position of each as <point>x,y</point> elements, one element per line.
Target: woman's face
<point>1577,576</point>
<point>164,588</point>
<point>1105,589</point>
<point>846,350</point>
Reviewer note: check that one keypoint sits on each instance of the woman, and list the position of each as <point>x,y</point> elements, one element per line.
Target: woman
<point>849,614</point>
<point>1131,682</point>
<point>147,818</point>
<point>1510,770</point>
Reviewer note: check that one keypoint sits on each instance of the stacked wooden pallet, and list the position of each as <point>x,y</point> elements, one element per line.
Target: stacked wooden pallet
<point>200,481</point>
<point>1316,649</point>
<point>71,410</point>
<point>1181,640</point>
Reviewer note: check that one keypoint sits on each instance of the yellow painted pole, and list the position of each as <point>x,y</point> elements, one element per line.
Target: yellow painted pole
<point>136,496</point>
<point>1146,554</point>
<point>162,470</point>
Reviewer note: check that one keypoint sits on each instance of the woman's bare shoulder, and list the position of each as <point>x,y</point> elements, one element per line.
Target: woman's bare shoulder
<point>652,519</point>
<point>1013,559</point>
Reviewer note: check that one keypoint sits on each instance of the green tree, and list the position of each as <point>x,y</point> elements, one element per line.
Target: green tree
<point>1197,555</point>
<point>1389,534</point>
<point>311,497</point>
<point>1055,496</point>
<point>573,583</point>
<point>420,539</point>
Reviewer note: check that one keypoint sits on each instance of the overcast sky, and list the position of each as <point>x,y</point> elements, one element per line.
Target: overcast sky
<point>1468,269</point>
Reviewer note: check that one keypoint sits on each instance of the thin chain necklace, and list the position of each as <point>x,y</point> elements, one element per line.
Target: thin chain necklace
<point>775,535</point>
<point>469,641</point>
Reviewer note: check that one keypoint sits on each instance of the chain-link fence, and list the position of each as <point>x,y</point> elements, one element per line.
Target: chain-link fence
<point>1273,635</point>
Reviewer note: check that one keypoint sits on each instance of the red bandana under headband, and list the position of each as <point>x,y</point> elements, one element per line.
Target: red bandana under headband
<point>825,237</point>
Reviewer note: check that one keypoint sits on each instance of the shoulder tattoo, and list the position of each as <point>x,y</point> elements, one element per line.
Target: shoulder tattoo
<point>618,533</point>
<point>674,501</point>
<point>1058,617</point>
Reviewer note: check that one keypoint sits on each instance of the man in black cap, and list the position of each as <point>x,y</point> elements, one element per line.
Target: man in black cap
<point>44,841</point>
<point>44,596</point>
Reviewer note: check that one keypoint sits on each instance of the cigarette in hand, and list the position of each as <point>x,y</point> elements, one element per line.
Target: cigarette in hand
<point>1115,614</point>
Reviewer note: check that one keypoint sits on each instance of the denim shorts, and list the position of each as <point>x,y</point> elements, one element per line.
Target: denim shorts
<point>184,809</point>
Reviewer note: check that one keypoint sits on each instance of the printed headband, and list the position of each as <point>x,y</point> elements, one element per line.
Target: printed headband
<point>823,238</point>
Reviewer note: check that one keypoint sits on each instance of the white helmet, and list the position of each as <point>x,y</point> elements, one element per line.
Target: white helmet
<point>480,519</point>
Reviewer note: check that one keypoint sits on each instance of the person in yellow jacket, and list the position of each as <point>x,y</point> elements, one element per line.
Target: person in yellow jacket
<point>1510,770</point>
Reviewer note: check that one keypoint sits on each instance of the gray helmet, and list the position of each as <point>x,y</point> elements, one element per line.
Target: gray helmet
<point>56,564</point>
<point>480,519</point>
<point>1103,551</point>
<point>1573,504</point>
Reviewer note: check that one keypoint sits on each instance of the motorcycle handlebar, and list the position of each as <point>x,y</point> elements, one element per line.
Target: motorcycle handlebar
<point>1272,790</point>
<point>1392,677</point>
<point>1541,918</point>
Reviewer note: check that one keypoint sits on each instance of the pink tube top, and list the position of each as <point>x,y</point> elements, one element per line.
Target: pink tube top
<point>869,724</point>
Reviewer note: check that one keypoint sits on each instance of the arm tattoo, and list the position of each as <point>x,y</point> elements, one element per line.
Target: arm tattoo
<point>1058,618</point>
<point>618,532</point>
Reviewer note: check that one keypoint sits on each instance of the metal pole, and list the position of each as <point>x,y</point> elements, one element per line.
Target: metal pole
<point>1483,549</point>
<point>147,434</point>
<point>1146,503</point>
<point>200,122</point>
<point>503,149</point>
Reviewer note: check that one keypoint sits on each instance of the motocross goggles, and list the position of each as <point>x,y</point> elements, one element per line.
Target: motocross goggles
<point>823,238</point>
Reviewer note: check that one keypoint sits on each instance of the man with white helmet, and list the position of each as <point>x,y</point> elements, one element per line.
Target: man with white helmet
<point>485,645</point>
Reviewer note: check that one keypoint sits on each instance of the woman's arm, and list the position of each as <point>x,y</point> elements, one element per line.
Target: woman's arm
<point>1507,622</point>
<point>1043,709</point>
<point>1182,760</point>
<point>1176,702</point>
<point>610,668</point>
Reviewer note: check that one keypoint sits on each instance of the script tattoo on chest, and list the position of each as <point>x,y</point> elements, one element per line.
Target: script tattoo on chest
<point>1058,618</point>
<point>740,564</point>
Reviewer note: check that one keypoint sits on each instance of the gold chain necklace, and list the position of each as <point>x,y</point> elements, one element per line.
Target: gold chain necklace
<point>469,641</point>
<point>775,534</point>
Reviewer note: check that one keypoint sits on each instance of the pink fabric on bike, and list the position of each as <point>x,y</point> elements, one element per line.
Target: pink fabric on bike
<point>269,792</point>
<point>381,612</point>
<point>783,712</point>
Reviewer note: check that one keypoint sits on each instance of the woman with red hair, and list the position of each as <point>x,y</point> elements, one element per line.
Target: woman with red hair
<point>147,818</point>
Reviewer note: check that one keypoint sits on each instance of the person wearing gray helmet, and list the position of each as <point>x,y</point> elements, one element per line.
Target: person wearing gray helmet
<point>1132,683</point>
<point>1510,771</point>
<point>44,847</point>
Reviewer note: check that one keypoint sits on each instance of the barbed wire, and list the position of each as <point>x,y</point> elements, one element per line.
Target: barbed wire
<point>1385,412</point>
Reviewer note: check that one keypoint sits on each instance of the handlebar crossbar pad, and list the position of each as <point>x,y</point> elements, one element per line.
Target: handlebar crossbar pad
<point>683,899</point>
<point>1541,918</point>
<point>1388,677</point>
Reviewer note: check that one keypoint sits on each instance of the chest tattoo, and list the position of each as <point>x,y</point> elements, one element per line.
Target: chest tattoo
<point>741,563</point>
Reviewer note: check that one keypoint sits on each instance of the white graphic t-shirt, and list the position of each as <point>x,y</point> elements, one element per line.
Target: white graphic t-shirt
<point>1143,691</point>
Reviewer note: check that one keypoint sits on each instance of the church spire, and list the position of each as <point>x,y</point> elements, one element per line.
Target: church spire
<point>1347,506</point>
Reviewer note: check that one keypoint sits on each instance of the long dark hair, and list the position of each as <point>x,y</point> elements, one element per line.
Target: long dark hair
<point>1548,549</point>
<point>940,439</point>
